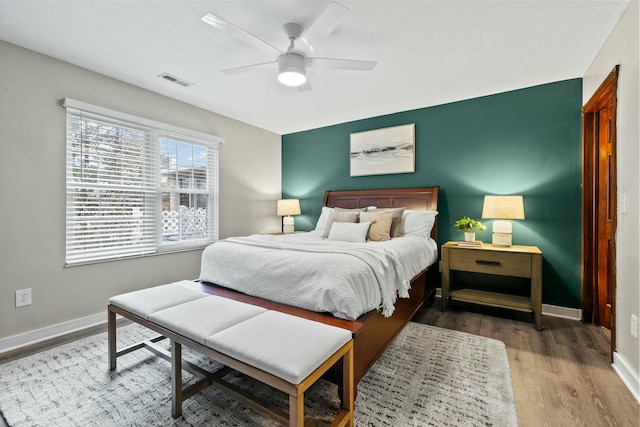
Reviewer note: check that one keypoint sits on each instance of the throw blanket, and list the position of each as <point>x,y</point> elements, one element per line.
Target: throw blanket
<point>343,278</point>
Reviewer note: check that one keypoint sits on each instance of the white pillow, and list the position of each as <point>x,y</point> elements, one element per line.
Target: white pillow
<point>323,221</point>
<point>418,223</point>
<point>349,231</point>
<point>340,216</point>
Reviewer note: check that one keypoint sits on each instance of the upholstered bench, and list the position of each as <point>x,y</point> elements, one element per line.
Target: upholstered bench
<point>284,351</point>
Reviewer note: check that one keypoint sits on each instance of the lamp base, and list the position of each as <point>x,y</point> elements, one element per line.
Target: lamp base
<point>287,225</point>
<point>501,239</point>
<point>501,233</point>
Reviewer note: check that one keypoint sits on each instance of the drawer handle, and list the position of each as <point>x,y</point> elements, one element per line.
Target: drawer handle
<point>492,263</point>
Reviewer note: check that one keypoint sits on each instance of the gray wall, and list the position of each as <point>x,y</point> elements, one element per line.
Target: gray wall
<point>32,189</point>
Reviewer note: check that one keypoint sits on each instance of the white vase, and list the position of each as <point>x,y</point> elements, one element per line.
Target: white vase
<point>469,237</point>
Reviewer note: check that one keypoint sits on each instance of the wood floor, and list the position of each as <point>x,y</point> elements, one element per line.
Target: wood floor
<point>561,376</point>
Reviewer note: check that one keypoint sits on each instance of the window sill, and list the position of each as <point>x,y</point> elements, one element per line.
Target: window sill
<point>163,251</point>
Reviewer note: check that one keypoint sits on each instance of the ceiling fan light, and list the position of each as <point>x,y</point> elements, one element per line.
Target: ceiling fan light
<point>292,78</point>
<point>291,69</point>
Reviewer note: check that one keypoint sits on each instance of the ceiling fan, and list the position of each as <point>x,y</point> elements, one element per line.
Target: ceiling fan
<point>292,65</point>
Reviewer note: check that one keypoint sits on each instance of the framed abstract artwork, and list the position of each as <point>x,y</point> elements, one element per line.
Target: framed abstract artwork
<point>383,151</point>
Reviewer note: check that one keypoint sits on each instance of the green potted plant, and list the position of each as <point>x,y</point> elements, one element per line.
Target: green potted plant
<point>469,226</point>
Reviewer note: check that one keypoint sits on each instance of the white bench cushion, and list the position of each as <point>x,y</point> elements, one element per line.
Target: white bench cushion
<point>203,317</point>
<point>144,302</point>
<point>286,346</point>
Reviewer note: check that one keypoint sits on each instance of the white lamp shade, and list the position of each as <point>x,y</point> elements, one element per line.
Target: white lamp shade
<point>503,207</point>
<point>288,207</point>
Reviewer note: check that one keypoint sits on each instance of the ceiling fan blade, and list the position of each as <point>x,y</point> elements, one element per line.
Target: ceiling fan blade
<point>247,68</point>
<point>237,32</point>
<point>342,64</point>
<point>305,87</point>
<point>324,24</point>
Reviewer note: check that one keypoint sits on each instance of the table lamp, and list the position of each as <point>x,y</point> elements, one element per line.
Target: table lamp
<point>286,208</point>
<point>503,209</point>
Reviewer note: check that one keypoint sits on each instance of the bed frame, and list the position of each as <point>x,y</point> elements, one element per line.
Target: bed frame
<point>372,332</point>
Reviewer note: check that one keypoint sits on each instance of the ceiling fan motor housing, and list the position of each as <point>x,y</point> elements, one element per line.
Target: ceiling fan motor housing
<point>292,69</point>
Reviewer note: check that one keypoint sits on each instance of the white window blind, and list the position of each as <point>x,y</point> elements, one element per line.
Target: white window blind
<point>136,187</point>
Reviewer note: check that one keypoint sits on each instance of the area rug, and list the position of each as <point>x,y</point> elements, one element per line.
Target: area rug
<point>428,376</point>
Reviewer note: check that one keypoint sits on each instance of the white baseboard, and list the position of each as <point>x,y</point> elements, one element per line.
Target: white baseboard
<point>564,312</point>
<point>629,378</point>
<point>548,309</point>
<point>39,335</point>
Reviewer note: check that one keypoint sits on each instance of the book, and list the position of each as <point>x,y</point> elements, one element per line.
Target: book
<point>473,243</point>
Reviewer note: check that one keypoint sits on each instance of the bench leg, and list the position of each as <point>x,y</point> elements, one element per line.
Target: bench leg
<point>296,410</point>
<point>111,339</point>
<point>176,379</point>
<point>348,395</point>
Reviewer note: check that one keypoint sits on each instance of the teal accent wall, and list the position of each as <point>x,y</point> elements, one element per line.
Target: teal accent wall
<point>526,141</point>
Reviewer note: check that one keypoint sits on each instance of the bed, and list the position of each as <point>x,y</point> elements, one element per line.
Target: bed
<point>373,326</point>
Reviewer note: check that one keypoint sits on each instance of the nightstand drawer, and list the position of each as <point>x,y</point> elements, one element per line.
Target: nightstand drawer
<point>491,262</point>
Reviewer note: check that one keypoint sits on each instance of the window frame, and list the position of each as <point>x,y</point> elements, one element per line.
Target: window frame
<point>157,131</point>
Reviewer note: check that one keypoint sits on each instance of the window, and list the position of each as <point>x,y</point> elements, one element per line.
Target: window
<point>184,189</point>
<point>136,187</point>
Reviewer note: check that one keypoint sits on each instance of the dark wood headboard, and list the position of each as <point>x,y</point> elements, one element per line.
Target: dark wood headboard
<point>419,198</point>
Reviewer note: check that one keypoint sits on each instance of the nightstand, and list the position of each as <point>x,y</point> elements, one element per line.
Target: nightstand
<point>507,277</point>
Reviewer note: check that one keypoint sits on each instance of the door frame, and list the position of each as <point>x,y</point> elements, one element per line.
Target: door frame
<point>604,96</point>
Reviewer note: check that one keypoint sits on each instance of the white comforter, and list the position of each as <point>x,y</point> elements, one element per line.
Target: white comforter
<point>343,278</point>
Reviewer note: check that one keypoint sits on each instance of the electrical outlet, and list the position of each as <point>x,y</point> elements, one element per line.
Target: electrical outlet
<point>23,297</point>
<point>634,326</point>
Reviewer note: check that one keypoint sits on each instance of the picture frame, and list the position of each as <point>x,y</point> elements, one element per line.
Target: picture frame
<point>383,151</point>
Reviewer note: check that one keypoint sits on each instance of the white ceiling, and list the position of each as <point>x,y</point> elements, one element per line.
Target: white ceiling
<point>428,52</point>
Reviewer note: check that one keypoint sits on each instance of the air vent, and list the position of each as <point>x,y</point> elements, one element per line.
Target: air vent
<point>176,80</point>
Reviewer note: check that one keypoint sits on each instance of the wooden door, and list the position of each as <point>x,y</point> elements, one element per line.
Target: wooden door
<point>599,210</point>
<point>606,217</point>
